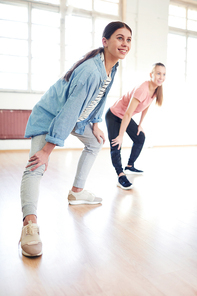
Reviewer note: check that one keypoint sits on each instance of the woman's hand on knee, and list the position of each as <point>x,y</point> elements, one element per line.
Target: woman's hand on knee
<point>99,134</point>
<point>117,141</point>
<point>140,129</point>
<point>38,159</point>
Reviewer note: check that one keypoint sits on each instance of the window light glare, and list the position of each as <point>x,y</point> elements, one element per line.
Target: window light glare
<point>13,12</point>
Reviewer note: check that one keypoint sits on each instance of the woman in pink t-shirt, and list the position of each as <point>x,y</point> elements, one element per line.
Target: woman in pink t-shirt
<point>119,120</point>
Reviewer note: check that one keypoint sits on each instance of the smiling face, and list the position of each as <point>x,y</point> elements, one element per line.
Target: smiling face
<point>158,75</point>
<point>118,45</point>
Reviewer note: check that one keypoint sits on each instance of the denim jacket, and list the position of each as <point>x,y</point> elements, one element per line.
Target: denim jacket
<point>58,110</point>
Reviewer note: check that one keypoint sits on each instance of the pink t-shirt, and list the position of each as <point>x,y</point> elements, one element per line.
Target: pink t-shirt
<point>141,93</point>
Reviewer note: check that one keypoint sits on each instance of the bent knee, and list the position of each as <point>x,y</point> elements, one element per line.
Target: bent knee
<point>94,147</point>
<point>141,138</point>
<point>98,146</point>
<point>39,171</point>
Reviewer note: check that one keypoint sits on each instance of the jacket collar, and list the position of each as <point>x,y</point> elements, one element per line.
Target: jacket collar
<point>101,66</point>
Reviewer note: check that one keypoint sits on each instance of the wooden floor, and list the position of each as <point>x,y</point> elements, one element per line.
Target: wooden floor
<point>139,242</point>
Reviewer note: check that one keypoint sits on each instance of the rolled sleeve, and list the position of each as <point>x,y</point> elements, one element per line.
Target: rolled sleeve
<point>55,141</point>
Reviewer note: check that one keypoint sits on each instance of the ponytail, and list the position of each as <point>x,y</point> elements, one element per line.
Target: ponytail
<point>88,56</point>
<point>159,89</point>
<point>159,95</point>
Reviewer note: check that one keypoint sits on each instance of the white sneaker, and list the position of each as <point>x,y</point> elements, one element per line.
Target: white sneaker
<point>31,244</point>
<point>83,197</point>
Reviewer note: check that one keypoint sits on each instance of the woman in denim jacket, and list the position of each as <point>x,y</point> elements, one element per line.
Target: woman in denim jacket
<point>73,105</point>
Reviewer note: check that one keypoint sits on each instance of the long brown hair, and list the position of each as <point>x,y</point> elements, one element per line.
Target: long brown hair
<point>159,89</point>
<point>108,31</point>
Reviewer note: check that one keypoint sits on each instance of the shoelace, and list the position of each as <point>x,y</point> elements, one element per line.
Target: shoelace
<point>30,230</point>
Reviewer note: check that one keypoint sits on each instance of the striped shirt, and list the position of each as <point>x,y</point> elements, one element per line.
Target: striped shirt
<point>94,103</point>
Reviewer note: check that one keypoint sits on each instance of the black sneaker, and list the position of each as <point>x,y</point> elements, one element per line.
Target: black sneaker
<point>132,170</point>
<point>124,183</point>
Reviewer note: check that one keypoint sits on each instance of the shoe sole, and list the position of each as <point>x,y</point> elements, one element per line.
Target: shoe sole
<point>29,255</point>
<point>83,202</point>
<point>125,188</point>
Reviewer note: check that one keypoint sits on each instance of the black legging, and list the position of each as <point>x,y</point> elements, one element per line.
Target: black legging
<point>113,126</point>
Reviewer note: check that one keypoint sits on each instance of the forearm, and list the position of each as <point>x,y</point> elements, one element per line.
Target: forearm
<point>48,148</point>
<point>127,117</point>
<point>41,157</point>
<point>143,115</point>
<point>125,121</point>
<point>95,125</point>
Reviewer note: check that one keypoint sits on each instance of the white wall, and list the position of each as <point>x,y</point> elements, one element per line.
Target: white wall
<point>174,122</point>
<point>149,21</point>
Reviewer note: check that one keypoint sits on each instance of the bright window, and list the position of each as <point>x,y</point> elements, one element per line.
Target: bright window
<point>192,20</point>
<point>191,60</point>
<point>45,48</point>
<point>177,16</point>
<point>39,42</point>
<point>182,42</point>
<point>110,7</point>
<point>85,4</point>
<point>49,1</point>
<point>13,47</point>
<point>13,13</point>
<point>78,41</point>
